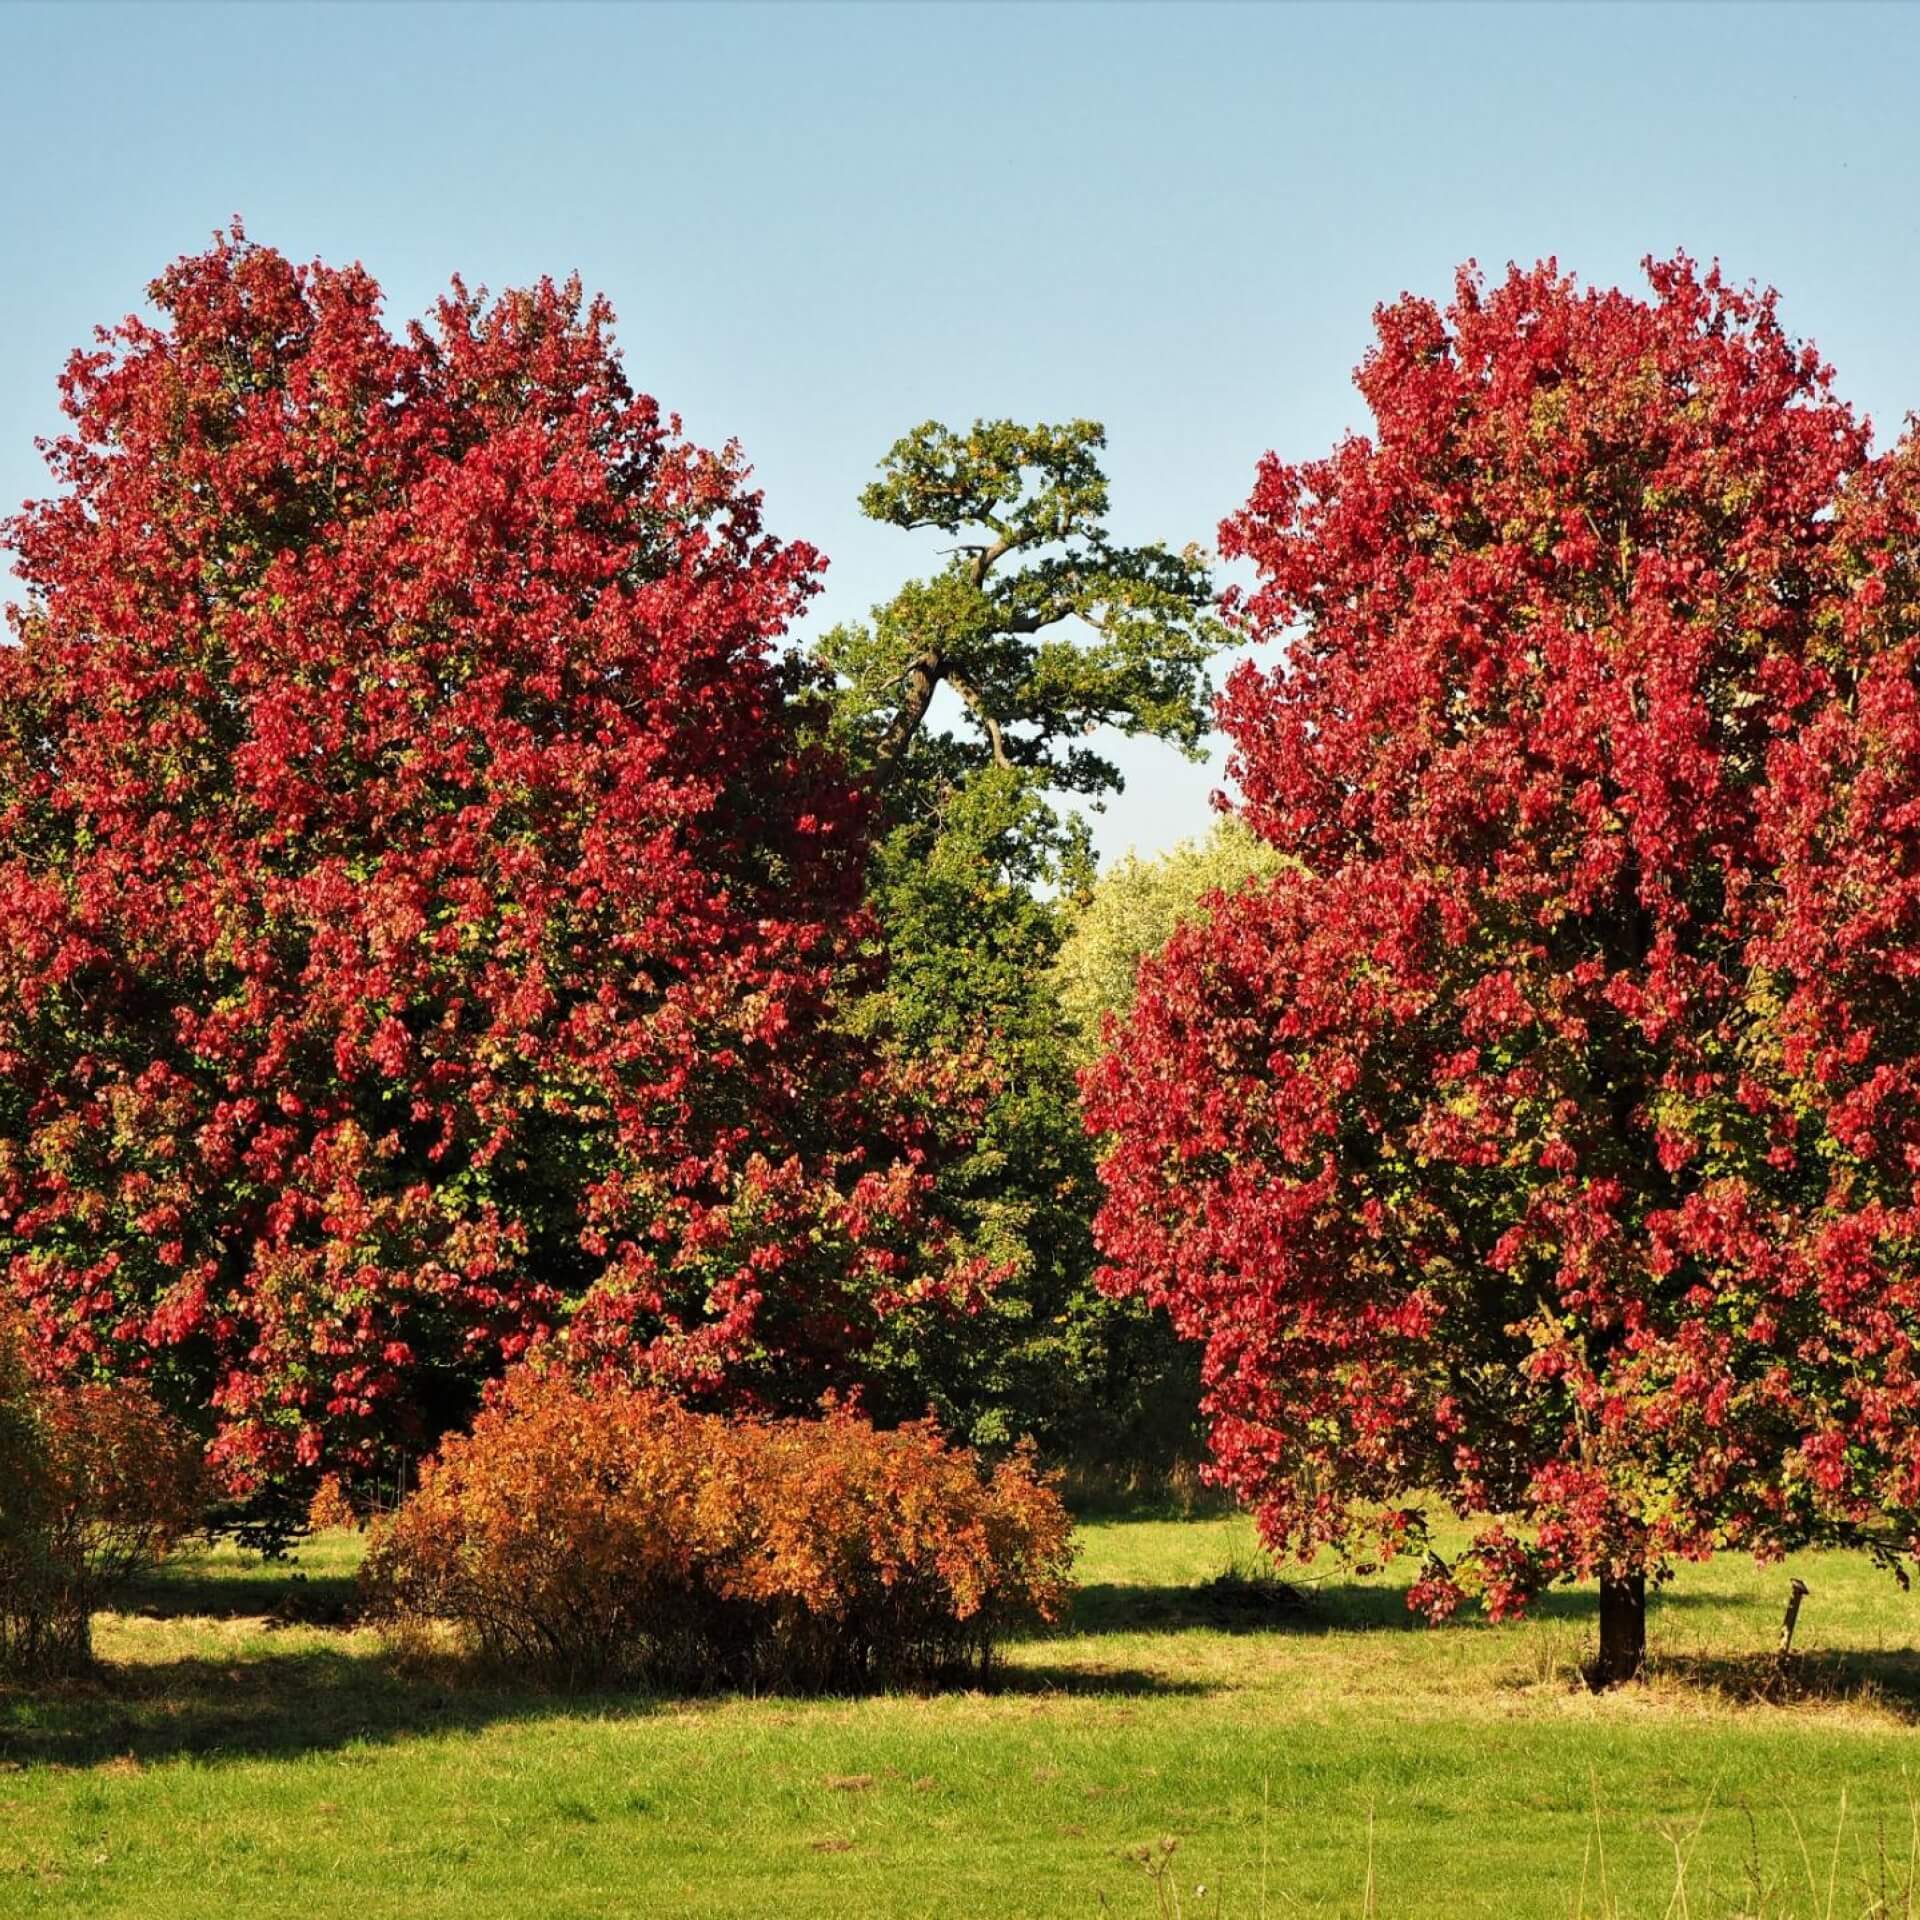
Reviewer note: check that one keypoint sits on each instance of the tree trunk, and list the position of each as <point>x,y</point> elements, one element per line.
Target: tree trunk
<point>917,688</point>
<point>1623,1631</point>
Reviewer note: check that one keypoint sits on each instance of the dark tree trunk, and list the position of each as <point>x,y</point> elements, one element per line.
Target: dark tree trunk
<point>1623,1630</point>
<point>917,688</point>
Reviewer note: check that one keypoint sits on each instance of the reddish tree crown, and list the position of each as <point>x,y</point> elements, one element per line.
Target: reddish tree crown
<point>1546,1140</point>
<point>421,914</point>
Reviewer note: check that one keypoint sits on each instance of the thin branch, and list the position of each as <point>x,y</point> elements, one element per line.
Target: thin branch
<point>971,695</point>
<point>1035,622</point>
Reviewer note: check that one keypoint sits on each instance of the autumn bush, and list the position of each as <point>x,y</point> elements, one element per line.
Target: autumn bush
<point>95,1483</point>
<point>608,1532</point>
<point>331,1509</point>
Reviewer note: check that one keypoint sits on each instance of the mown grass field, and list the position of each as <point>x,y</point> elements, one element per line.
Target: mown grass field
<point>238,1756</point>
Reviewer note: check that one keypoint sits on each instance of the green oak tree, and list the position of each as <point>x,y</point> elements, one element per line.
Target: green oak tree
<point>974,702</point>
<point>1042,627</point>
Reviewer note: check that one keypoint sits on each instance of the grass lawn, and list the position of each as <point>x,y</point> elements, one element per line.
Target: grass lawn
<point>239,1757</point>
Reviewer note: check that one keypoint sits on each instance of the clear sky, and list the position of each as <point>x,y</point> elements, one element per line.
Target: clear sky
<point>821,225</point>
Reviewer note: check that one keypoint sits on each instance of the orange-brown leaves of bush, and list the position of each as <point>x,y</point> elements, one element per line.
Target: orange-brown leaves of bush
<point>96,1481</point>
<point>331,1510</point>
<point>608,1531</point>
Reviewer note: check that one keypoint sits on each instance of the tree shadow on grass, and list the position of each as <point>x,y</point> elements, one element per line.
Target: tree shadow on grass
<point>273,1591</point>
<point>279,1706</point>
<point>1081,1682</point>
<point>1229,1603</point>
<point>1237,1602</point>
<point>1888,1681</point>
<point>316,1700</point>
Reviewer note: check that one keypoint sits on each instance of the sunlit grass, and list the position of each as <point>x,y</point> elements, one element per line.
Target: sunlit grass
<point>242,1755</point>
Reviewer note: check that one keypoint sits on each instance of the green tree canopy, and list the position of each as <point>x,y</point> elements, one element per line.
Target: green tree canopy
<point>1044,627</point>
<point>1133,910</point>
<point>1046,631</point>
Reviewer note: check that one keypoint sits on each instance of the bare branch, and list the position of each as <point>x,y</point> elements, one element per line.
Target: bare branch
<point>971,695</point>
<point>985,559</point>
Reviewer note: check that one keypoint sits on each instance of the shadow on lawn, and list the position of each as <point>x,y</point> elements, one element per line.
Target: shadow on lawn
<point>270,1591</point>
<point>1094,1681</point>
<point>277,1707</point>
<point>1889,1681</point>
<point>1235,1602</point>
<point>314,1701</point>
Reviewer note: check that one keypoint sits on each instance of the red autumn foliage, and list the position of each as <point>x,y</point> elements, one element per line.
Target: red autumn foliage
<point>422,914</point>
<point>602,1530</point>
<point>96,1482</point>
<point>1547,1141</point>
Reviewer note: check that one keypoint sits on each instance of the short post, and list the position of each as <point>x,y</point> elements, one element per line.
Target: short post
<point>1795,1594</point>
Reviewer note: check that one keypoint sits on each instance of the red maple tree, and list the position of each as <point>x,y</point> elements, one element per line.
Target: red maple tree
<point>422,914</point>
<point>1545,1139</point>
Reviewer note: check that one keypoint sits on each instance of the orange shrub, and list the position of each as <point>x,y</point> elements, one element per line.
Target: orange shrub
<point>330,1510</point>
<point>866,1553</point>
<point>96,1482</point>
<point>610,1532</point>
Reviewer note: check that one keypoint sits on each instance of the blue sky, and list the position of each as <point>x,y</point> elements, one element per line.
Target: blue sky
<point>821,225</point>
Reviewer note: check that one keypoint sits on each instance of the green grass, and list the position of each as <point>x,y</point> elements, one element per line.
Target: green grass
<point>240,1756</point>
